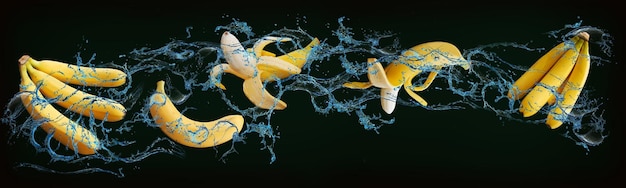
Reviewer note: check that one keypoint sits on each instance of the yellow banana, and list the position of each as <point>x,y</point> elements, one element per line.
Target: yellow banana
<point>189,132</point>
<point>541,93</point>
<point>430,56</point>
<point>297,58</point>
<point>269,73</point>
<point>80,75</point>
<point>75,100</point>
<point>64,130</point>
<point>571,88</point>
<point>537,71</point>
<point>245,64</point>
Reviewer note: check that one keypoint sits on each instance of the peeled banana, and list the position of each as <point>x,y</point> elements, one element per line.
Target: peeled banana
<point>430,56</point>
<point>73,99</point>
<point>189,132</point>
<point>246,64</point>
<point>563,71</point>
<point>64,130</point>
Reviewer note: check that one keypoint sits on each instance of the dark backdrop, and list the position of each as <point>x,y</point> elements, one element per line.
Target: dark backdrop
<point>448,147</point>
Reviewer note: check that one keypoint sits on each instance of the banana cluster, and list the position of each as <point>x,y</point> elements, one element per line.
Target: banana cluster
<point>559,74</point>
<point>46,81</point>
<point>430,56</point>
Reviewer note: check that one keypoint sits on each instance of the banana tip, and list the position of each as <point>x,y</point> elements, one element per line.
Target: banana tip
<point>160,86</point>
<point>24,59</point>
<point>584,35</point>
<point>553,124</point>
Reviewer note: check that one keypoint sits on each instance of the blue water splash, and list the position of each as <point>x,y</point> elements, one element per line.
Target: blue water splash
<point>185,65</point>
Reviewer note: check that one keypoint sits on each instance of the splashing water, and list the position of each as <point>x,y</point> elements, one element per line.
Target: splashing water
<point>185,66</point>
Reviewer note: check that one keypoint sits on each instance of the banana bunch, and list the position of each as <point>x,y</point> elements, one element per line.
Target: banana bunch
<point>46,80</point>
<point>189,132</point>
<point>430,56</point>
<point>561,71</point>
<point>255,66</point>
<point>53,76</point>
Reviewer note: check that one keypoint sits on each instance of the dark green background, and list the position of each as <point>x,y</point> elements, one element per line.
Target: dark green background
<point>462,147</point>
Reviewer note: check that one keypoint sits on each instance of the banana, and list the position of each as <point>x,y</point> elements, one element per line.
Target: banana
<point>189,132</point>
<point>64,130</point>
<point>268,73</point>
<point>75,100</point>
<point>245,64</point>
<point>536,72</point>
<point>430,56</point>
<point>552,80</point>
<point>297,58</point>
<point>80,75</point>
<point>571,89</point>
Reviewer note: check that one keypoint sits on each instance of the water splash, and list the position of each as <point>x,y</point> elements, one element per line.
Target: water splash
<point>337,60</point>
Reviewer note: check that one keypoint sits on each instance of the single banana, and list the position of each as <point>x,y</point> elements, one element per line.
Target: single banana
<point>73,99</point>
<point>268,73</point>
<point>64,130</point>
<point>81,75</point>
<point>538,70</point>
<point>189,132</point>
<point>245,64</point>
<point>541,93</point>
<point>571,88</point>
<point>430,56</point>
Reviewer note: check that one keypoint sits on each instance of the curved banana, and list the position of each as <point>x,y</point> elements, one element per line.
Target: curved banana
<point>64,130</point>
<point>571,89</point>
<point>80,75</point>
<point>73,99</point>
<point>552,80</point>
<point>245,64</point>
<point>189,132</point>
<point>430,56</point>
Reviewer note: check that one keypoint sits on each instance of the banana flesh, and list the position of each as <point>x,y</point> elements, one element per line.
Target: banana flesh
<point>430,56</point>
<point>562,70</point>
<point>64,130</point>
<point>256,66</point>
<point>189,132</point>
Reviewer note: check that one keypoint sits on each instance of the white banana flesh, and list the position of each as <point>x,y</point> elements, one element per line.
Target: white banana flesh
<point>245,65</point>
